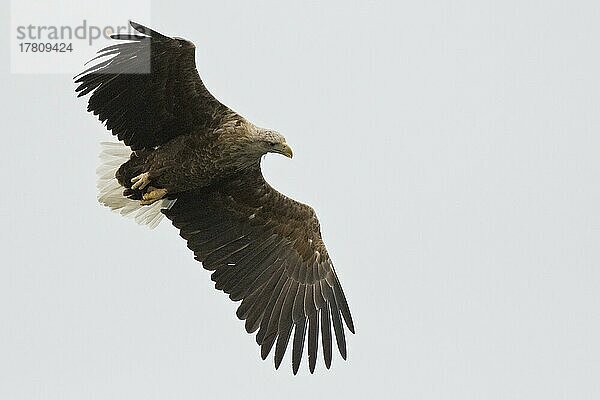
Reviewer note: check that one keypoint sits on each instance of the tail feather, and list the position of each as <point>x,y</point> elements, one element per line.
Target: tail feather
<point>110,192</point>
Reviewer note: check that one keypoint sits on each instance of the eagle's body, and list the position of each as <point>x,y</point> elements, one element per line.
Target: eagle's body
<point>196,161</point>
<point>193,161</point>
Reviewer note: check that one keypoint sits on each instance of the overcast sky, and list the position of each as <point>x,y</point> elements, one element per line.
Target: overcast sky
<point>450,149</point>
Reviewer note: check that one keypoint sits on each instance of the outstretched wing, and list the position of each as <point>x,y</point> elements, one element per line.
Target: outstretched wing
<point>148,90</point>
<point>266,250</point>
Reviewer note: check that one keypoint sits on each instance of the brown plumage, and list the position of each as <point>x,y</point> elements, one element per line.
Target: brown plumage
<point>187,148</point>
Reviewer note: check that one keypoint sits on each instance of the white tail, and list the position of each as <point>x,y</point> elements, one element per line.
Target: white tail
<point>110,192</point>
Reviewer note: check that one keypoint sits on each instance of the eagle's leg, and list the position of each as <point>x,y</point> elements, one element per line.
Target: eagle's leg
<point>140,181</point>
<point>152,195</point>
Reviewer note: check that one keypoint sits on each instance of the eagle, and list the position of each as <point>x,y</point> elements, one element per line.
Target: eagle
<point>183,154</point>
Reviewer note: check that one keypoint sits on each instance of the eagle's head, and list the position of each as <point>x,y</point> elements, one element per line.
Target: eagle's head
<point>270,141</point>
<point>248,143</point>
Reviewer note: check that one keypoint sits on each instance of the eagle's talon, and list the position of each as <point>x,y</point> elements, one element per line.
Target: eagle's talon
<point>152,195</point>
<point>140,181</point>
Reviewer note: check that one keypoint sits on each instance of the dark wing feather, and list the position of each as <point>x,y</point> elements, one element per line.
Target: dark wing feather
<point>266,250</point>
<point>148,90</point>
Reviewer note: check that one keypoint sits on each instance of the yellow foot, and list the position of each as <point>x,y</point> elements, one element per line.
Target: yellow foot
<point>152,195</point>
<point>140,181</point>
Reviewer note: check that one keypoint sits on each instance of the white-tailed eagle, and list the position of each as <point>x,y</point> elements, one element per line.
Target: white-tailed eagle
<point>189,157</point>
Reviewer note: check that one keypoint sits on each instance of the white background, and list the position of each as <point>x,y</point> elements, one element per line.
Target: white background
<point>451,150</point>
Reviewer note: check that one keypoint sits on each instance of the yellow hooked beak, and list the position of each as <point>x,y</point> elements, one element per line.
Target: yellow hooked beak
<point>285,149</point>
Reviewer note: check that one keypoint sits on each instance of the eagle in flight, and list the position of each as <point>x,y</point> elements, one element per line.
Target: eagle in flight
<point>185,155</point>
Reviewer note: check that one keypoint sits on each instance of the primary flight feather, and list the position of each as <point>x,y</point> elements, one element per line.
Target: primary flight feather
<point>193,159</point>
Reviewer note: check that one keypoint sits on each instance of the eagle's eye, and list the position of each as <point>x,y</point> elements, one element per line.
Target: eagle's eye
<point>272,144</point>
